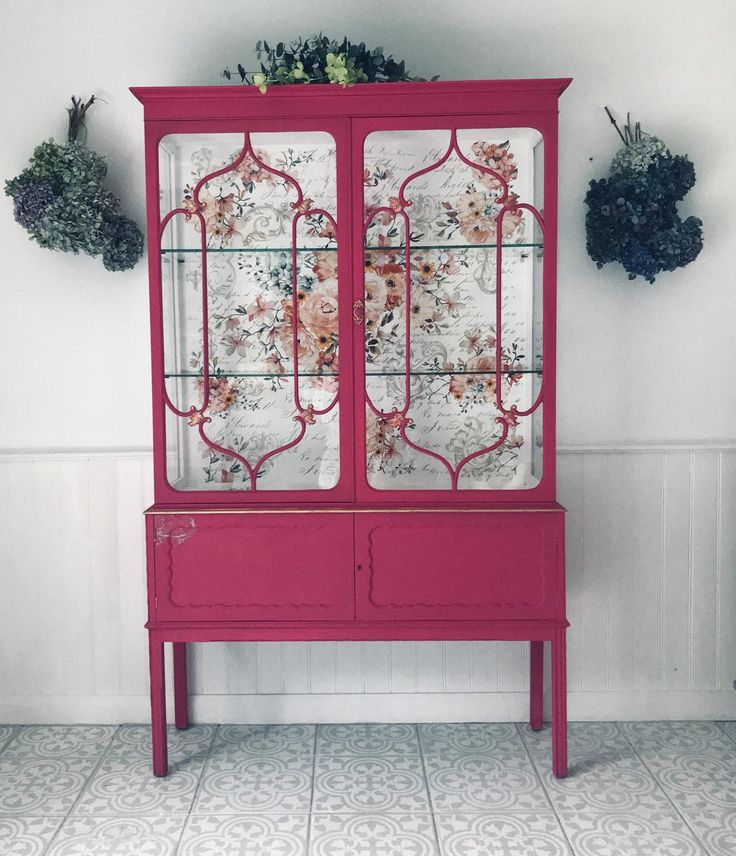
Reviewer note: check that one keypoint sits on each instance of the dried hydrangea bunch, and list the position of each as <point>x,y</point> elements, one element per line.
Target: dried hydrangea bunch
<point>320,59</point>
<point>632,214</point>
<point>60,201</point>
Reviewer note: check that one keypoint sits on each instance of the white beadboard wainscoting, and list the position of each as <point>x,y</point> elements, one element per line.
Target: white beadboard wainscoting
<point>651,537</point>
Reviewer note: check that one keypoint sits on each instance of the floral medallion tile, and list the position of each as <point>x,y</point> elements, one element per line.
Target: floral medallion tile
<point>38,786</point>
<point>603,778</point>
<point>190,744</point>
<point>716,828</point>
<point>60,741</point>
<point>371,835</point>
<point>676,736</point>
<point>26,836</point>
<point>368,739</point>
<point>478,782</point>
<point>630,833</point>
<point>129,787</point>
<point>371,784</point>
<point>265,740</point>
<point>469,736</point>
<point>118,836</point>
<point>537,834</point>
<point>696,781</point>
<point>240,784</point>
<point>259,835</point>
<point>581,736</point>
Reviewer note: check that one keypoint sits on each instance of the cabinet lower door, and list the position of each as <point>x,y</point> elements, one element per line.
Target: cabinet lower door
<point>459,565</point>
<point>253,567</point>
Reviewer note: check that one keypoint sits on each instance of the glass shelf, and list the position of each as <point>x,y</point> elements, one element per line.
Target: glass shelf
<point>215,375</point>
<point>429,373</point>
<point>165,252</point>
<point>458,247</point>
<point>413,247</point>
<point>446,373</point>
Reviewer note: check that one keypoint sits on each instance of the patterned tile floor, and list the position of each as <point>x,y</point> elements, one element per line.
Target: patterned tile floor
<point>468,789</point>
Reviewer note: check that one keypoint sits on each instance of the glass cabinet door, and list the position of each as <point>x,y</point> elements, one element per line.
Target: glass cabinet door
<point>250,311</point>
<point>453,248</point>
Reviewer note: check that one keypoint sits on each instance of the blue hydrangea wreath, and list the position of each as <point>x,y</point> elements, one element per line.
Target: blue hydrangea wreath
<point>632,214</point>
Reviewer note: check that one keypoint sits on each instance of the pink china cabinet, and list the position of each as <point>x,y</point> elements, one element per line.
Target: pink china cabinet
<point>353,353</point>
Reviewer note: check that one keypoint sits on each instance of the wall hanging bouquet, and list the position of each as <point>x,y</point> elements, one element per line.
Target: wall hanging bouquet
<point>632,214</point>
<point>60,201</point>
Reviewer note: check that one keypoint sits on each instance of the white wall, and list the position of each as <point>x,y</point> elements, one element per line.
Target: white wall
<point>638,364</point>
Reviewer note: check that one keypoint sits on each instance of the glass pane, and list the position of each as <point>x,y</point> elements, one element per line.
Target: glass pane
<point>266,417</point>
<point>445,245</point>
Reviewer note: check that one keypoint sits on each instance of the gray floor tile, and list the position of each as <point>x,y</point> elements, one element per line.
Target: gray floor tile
<point>581,737</point>
<point>504,781</point>
<point>677,736</point>
<point>729,729</point>
<point>27,836</point>
<point>367,740</point>
<point>373,834</point>
<point>259,835</point>
<point>716,828</point>
<point>60,741</point>
<point>241,783</point>
<point>113,836</point>
<point>44,787</point>
<point>7,732</point>
<point>377,784</point>
<point>637,832</point>
<point>128,787</point>
<point>265,740</point>
<point>469,736</point>
<point>696,781</point>
<point>522,834</point>
<point>606,777</point>
<point>134,741</point>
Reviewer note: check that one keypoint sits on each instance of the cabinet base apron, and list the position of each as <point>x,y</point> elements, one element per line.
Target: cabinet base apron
<point>509,631</point>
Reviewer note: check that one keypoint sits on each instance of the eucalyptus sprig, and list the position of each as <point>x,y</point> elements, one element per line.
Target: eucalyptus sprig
<point>320,59</point>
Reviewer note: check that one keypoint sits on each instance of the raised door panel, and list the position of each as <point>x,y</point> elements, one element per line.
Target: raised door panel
<point>456,565</point>
<point>254,567</point>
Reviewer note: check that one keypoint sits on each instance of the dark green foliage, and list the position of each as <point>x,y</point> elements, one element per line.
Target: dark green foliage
<point>320,59</point>
<point>59,199</point>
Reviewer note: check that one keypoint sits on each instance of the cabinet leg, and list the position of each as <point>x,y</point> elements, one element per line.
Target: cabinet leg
<point>559,704</point>
<point>181,699</point>
<point>536,685</point>
<point>158,706</point>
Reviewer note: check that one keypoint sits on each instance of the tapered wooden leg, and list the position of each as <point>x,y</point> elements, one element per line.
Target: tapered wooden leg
<point>181,700</point>
<point>559,704</point>
<point>158,706</point>
<point>536,685</point>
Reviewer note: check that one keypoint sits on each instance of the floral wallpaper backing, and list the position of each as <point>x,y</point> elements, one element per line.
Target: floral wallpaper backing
<point>248,217</point>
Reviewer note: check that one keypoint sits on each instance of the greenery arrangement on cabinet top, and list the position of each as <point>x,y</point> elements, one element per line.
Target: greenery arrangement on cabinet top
<point>60,201</point>
<point>632,215</point>
<point>320,59</point>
